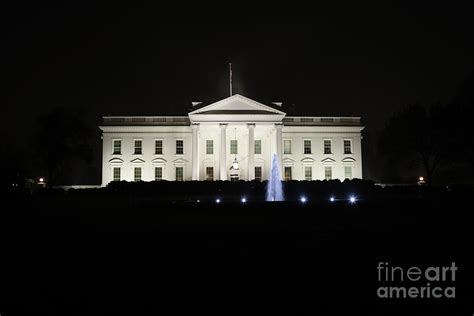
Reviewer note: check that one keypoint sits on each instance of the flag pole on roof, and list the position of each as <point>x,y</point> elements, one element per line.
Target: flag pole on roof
<point>230,78</point>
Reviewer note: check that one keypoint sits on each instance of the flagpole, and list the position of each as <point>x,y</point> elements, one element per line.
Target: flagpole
<point>230,78</point>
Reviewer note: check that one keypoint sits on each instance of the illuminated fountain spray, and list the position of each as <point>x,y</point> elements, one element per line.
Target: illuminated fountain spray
<point>274,185</point>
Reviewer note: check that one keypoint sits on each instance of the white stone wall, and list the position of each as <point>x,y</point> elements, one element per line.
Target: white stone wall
<point>265,132</point>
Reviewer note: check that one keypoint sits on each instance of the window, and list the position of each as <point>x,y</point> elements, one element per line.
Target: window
<point>179,173</point>
<point>287,147</point>
<point>117,150</point>
<point>258,147</point>
<point>327,146</point>
<point>158,147</point>
<point>138,147</point>
<point>116,174</point>
<point>210,173</point>
<point>307,146</point>
<point>233,147</point>
<point>158,173</point>
<point>179,147</point>
<point>308,173</point>
<point>328,173</point>
<point>347,172</point>
<point>347,146</point>
<point>287,173</point>
<point>209,147</point>
<point>137,174</point>
<point>258,173</point>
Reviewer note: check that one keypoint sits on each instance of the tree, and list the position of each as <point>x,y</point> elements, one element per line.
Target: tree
<point>62,137</point>
<point>415,135</point>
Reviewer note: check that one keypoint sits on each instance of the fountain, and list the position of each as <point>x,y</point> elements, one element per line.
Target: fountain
<point>274,185</point>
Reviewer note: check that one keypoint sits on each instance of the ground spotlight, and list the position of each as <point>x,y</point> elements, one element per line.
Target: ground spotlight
<point>243,200</point>
<point>332,199</point>
<point>218,201</point>
<point>303,199</point>
<point>352,199</point>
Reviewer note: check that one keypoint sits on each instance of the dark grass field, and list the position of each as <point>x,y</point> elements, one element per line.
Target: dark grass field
<point>80,255</point>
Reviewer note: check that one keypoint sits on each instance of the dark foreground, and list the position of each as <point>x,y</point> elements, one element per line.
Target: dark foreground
<point>83,256</point>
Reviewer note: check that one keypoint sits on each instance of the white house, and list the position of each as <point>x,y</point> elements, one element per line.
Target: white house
<point>232,139</point>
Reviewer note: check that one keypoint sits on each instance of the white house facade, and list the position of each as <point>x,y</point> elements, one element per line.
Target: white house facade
<point>232,139</point>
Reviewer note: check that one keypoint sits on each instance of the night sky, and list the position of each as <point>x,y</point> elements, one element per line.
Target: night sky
<point>342,60</point>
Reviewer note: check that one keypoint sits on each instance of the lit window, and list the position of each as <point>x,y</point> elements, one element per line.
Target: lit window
<point>258,147</point>
<point>179,173</point>
<point>307,146</point>
<point>209,147</point>
<point>328,173</point>
<point>117,150</point>
<point>138,147</point>
<point>258,173</point>
<point>137,174</point>
<point>327,147</point>
<point>347,146</point>
<point>116,174</point>
<point>287,147</point>
<point>233,147</point>
<point>348,172</point>
<point>209,173</point>
<point>287,173</point>
<point>179,147</point>
<point>308,173</point>
<point>158,173</point>
<point>158,147</point>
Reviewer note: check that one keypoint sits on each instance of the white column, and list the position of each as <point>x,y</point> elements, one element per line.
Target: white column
<point>251,173</point>
<point>195,174</point>
<point>222,155</point>
<point>279,145</point>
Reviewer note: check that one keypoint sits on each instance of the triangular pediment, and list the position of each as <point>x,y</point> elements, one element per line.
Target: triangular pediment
<point>237,104</point>
<point>328,160</point>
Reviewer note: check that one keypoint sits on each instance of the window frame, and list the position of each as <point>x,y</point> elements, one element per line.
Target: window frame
<point>310,173</point>
<point>135,174</point>
<point>135,146</point>
<point>207,173</point>
<point>310,147</point>
<point>330,146</point>
<point>257,141</point>
<point>261,173</point>
<point>176,173</point>
<point>344,146</point>
<point>156,175</point>
<point>182,147</point>
<point>113,146</point>
<point>119,173</point>
<point>284,149</point>
<point>162,146</point>
<point>236,142</point>
<point>290,168</point>
<point>331,173</point>
<point>211,141</point>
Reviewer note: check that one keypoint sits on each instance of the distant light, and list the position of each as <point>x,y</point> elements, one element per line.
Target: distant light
<point>218,201</point>
<point>41,179</point>
<point>198,201</point>
<point>421,179</point>
<point>332,199</point>
<point>352,199</point>
<point>303,199</point>
<point>243,200</point>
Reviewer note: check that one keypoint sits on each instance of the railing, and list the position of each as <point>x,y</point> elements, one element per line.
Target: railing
<point>146,120</point>
<point>307,120</point>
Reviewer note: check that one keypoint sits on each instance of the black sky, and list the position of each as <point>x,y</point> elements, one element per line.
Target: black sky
<point>339,60</point>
